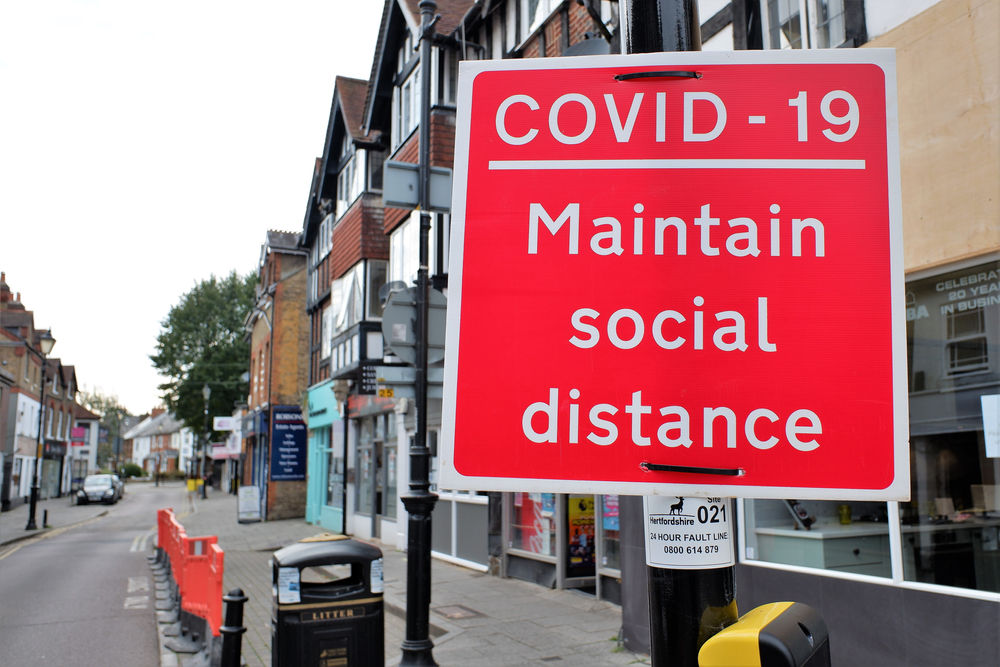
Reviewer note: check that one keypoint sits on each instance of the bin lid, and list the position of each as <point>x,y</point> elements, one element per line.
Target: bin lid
<point>327,552</point>
<point>324,537</point>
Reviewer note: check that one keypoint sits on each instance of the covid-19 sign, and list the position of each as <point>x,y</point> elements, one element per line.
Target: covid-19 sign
<point>678,273</point>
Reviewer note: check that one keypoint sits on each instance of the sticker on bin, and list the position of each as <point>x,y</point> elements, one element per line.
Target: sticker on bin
<point>688,533</point>
<point>377,585</point>
<point>288,585</point>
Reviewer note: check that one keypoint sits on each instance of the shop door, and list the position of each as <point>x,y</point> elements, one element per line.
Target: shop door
<point>50,478</point>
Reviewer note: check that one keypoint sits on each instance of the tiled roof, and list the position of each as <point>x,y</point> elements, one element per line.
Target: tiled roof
<point>16,318</point>
<point>80,412</point>
<point>151,426</point>
<point>451,11</point>
<point>352,100</point>
<point>278,240</point>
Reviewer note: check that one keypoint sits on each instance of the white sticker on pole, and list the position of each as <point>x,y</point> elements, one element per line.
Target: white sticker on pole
<point>688,533</point>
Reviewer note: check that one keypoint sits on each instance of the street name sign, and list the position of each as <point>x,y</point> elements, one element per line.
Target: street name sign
<point>678,274</point>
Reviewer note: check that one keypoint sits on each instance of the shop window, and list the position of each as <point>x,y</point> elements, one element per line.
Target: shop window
<point>610,535</point>
<point>580,524</point>
<point>949,530</point>
<point>390,451</point>
<point>533,524</point>
<point>366,466</point>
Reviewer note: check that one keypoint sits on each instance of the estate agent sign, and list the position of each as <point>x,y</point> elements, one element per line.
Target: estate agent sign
<point>680,274</point>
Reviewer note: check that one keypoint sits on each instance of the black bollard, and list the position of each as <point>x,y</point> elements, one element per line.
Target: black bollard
<point>45,518</point>
<point>232,631</point>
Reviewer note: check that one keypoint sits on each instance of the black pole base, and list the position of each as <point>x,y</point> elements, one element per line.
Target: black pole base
<point>418,647</point>
<point>418,654</point>
<point>686,608</point>
<point>31,511</point>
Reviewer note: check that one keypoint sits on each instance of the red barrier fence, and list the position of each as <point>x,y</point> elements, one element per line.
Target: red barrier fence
<point>197,565</point>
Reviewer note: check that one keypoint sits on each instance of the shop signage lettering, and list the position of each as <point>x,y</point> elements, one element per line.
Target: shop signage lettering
<point>644,268</point>
<point>288,446</point>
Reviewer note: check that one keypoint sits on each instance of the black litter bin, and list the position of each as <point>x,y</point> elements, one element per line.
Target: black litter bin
<point>327,604</point>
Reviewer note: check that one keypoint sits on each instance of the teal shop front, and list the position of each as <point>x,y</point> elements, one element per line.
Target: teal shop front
<point>325,496</point>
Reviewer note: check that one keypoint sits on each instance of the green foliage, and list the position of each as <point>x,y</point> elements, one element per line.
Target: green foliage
<point>112,414</point>
<point>132,470</point>
<point>201,342</point>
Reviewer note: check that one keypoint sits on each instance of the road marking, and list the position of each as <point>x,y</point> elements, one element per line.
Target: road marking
<point>141,542</point>
<point>148,536</point>
<point>137,602</point>
<point>138,584</point>
<point>51,533</point>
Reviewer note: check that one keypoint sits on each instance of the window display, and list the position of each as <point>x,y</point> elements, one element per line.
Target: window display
<point>610,536</point>
<point>950,528</point>
<point>534,523</point>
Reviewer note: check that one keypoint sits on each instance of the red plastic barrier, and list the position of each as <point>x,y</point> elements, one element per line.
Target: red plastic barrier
<point>197,565</point>
<point>204,564</point>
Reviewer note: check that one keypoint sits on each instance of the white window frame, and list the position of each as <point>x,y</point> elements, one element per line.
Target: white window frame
<point>808,25</point>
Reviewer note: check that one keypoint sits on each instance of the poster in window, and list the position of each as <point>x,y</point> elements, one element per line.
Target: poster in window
<point>580,511</point>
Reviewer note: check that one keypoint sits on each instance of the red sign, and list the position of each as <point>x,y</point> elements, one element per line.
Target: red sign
<point>678,273</point>
<point>78,435</point>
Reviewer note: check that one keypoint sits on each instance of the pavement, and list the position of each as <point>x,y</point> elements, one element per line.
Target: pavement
<point>62,512</point>
<point>477,620</point>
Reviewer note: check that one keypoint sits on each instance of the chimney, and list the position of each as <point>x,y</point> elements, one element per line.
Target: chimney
<point>157,412</point>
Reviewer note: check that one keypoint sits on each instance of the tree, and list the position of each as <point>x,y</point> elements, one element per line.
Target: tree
<point>111,412</point>
<point>202,341</point>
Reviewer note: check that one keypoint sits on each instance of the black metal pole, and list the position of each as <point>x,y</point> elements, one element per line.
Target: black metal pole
<point>36,481</point>
<point>204,455</point>
<point>654,26</point>
<point>686,607</point>
<point>418,647</point>
<point>232,631</point>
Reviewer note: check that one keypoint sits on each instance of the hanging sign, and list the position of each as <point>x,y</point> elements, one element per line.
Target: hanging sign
<point>678,273</point>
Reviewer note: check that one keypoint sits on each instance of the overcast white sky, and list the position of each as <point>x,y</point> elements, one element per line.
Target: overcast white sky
<point>145,146</point>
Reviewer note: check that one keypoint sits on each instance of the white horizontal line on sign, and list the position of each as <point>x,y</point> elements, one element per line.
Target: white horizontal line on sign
<point>757,120</point>
<point>517,165</point>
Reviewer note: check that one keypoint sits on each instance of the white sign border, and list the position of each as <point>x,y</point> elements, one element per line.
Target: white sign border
<point>885,59</point>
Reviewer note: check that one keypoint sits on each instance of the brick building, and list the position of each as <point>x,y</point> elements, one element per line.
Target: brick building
<point>20,356</point>
<point>278,332</point>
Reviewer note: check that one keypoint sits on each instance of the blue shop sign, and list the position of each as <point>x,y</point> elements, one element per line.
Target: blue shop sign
<point>322,406</point>
<point>288,444</point>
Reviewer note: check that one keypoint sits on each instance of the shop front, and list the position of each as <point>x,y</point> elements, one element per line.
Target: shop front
<point>326,491</point>
<point>564,541</point>
<point>899,582</point>
<point>372,435</point>
<point>53,463</point>
<point>255,471</point>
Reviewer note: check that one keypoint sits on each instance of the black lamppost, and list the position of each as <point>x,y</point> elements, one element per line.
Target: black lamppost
<point>159,451</point>
<point>45,342</point>
<point>418,649</point>
<point>206,391</point>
